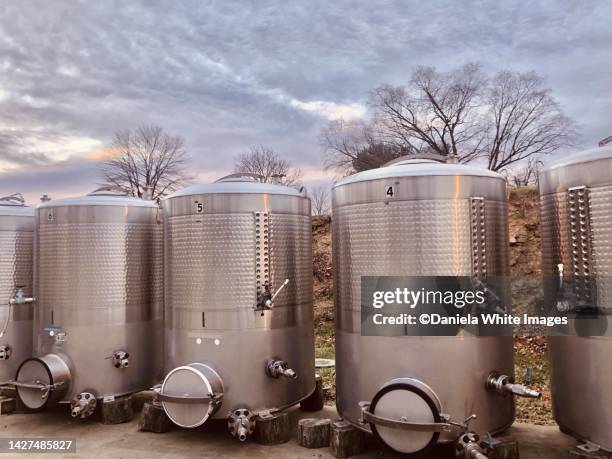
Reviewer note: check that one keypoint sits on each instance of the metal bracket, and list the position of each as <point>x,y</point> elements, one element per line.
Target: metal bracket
<point>580,236</point>
<point>479,239</point>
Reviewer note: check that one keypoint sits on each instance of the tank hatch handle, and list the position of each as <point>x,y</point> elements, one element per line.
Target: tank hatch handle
<point>403,424</point>
<point>212,398</point>
<point>44,388</point>
<point>579,215</point>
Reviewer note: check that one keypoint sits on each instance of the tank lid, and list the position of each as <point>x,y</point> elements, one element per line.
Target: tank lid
<point>417,168</point>
<point>237,183</point>
<point>105,196</point>
<point>14,205</point>
<point>586,156</point>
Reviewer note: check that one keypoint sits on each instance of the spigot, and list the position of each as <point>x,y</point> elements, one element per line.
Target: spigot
<point>265,298</point>
<point>20,298</point>
<point>83,405</point>
<point>504,385</point>
<point>241,423</point>
<point>278,368</point>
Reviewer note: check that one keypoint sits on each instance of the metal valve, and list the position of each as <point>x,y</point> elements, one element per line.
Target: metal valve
<point>504,385</point>
<point>5,352</point>
<point>266,299</point>
<point>121,359</point>
<point>83,405</point>
<point>278,368</point>
<point>470,445</point>
<point>20,298</point>
<point>241,423</point>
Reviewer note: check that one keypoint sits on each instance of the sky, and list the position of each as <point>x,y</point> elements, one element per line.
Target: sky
<point>227,75</point>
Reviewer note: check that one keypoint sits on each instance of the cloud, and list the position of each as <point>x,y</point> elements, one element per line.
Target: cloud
<point>227,75</point>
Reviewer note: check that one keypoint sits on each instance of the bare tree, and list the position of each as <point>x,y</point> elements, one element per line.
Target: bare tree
<point>527,175</point>
<point>343,142</point>
<point>319,196</point>
<point>524,120</point>
<point>268,165</point>
<point>502,121</point>
<point>149,163</point>
<point>435,112</point>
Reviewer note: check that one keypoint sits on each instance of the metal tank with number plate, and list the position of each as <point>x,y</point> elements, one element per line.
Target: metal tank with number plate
<point>16,245</point>
<point>576,222</point>
<point>239,302</point>
<point>420,217</point>
<point>98,316</point>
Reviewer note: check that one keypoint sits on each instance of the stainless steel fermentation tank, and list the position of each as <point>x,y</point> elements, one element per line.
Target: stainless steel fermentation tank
<point>576,222</point>
<point>419,217</point>
<point>16,245</point>
<point>239,306</point>
<point>98,315</point>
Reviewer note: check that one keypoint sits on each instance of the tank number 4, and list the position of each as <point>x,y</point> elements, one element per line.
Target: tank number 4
<point>389,191</point>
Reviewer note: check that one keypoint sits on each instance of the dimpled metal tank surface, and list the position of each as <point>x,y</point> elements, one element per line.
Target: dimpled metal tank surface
<point>98,322</point>
<point>418,217</point>
<point>576,221</point>
<point>16,245</point>
<point>239,305</point>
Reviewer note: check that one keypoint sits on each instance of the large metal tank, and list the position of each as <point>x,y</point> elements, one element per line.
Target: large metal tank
<point>576,216</point>
<point>419,217</point>
<point>16,245</point>
<point>239,305</point>
<point>98,319</point>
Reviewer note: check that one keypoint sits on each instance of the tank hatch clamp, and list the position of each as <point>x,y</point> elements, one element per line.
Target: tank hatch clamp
<point>403,423</point>
<point>213,399</point>
<point>445,424</point>
<point>44,388</point>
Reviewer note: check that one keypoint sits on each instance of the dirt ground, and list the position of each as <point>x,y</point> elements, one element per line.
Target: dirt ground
<point>530,353</point>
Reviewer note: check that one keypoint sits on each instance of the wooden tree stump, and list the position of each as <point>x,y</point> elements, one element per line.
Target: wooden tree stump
<point>117,411</point>
<point>7,405</point>
<point>504,448</point>
<point>272,429</point>
<point>345,440</point>
<point>577,453</point>
<point>8,391</point>
<point>313,433</point>
<point>154,419</point>
<point>316,400</point>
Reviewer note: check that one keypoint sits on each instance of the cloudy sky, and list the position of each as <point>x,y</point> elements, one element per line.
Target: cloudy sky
<point>226,75</point>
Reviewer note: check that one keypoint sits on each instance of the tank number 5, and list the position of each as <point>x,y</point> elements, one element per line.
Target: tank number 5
<point>199,207</point>
<point>389,191</point>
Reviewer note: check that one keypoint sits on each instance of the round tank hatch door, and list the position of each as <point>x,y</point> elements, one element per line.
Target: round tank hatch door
<point>191,394</point>
<point>403,400</point>
<point>42,381</point>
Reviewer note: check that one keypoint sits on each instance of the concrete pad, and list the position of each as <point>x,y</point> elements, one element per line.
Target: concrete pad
<point>213,441</point>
